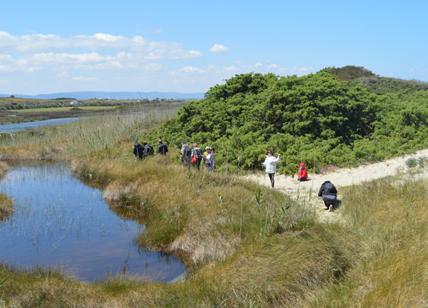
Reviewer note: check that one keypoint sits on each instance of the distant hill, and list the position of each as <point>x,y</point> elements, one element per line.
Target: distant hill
<point>113,95</point>
<point>376,83</point>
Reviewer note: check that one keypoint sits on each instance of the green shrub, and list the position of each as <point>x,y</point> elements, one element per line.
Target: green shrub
<point>317,118</point>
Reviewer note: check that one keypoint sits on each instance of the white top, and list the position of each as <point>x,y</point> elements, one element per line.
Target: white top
<point>270,163</point>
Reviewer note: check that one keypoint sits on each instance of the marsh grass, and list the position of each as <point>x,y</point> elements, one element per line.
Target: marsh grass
<point>389,221</point>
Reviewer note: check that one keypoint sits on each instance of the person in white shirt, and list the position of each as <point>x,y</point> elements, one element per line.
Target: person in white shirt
<point>270,167</point>
<point>209,159</point>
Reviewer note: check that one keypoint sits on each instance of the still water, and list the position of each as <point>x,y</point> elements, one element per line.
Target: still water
<point>61,223</point>
<point>16,127</point>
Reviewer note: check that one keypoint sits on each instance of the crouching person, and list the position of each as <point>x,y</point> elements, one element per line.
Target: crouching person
<point>328,192</point>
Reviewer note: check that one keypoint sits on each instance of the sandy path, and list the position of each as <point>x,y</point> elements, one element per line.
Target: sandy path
<point>306,192</point>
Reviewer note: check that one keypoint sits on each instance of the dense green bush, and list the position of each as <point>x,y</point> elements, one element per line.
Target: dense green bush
<point>318,118</point>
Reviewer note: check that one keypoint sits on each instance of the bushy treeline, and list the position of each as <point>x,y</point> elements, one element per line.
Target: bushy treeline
<point>317,118</point>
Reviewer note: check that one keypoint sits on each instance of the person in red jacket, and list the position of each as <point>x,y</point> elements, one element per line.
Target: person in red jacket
<point>302,173</point>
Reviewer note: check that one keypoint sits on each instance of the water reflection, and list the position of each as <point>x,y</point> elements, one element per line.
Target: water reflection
<point>60,222</point>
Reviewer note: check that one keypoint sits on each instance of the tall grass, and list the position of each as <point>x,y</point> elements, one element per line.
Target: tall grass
<point>390,222</point>
<point>81,138</point>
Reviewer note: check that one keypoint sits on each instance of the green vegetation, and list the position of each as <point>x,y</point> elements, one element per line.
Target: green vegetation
<point>318,119</point>
<point>246,245</point>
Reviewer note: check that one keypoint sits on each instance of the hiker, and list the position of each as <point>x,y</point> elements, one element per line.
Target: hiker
<point>302,173</point>
<point>162,147</point>
<point>186,154</point>
<point>147,149</point>
<point>196,156</point>
<point>328,192</point>
<point>270,166</point>
<point>138,150</point>
<point>209,159</point>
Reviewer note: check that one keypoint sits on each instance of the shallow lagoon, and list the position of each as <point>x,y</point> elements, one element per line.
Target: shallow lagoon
<point>61,223</point>
<point>16,127</point>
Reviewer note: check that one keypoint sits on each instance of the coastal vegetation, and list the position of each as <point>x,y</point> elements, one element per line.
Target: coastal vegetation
<point>323,119</point>
<point>245,245</point>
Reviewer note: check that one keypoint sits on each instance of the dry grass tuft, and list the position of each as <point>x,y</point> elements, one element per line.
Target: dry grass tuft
<point>6,207</point>
<point>3,168</point>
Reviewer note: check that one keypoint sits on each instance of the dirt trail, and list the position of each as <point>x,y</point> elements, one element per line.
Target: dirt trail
<point>306,192</point>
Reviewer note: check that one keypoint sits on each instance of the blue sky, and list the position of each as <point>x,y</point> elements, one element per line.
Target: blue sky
<point>188,46</point>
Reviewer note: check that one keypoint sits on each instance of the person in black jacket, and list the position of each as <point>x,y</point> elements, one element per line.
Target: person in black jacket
<point>328,192</point>
<point>138,150</point>
<point>162,147</point>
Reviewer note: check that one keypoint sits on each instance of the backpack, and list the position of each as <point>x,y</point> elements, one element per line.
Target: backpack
<point>198,153</point>
<point>187,152</point>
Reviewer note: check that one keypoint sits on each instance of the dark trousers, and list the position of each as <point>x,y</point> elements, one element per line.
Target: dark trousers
<point>329,200</point>
<point>198,162</point>
<point>272,179</point>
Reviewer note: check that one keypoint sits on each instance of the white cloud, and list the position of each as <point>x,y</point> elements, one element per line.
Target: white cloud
<point>100,51</point>
<point>107,37</point>
<point>218,48</point>
<point>138,45</point>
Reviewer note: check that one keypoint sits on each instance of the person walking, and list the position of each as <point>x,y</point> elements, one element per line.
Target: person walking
<point>270,166</point>
<point>196,156</point>
<point>138,150</point>
<point>162,148</point>
<point>186,154</point>
<point>147,149</point>
<point>209,159</point>
<point>328,192</point>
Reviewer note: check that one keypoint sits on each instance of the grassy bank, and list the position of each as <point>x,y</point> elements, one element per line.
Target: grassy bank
<point>3,168</point>
<point>389,222</point>
<point>377,260</point>
<point>6,207</point>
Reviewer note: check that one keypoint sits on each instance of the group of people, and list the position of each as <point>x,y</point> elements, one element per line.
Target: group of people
<point>327,192</point>
<point>194,156</point>
<point>189,156</point>
<point>145,149</point>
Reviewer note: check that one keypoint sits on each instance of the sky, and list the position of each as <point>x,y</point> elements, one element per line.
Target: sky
<point>188,46</point>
